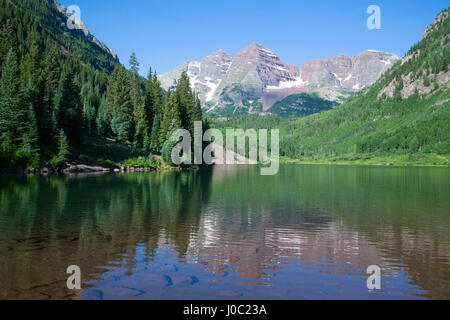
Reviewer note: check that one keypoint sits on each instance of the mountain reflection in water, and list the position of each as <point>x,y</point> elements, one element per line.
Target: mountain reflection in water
<point>309,232</point>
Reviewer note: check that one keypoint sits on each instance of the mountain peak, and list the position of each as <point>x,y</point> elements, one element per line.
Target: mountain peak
<point>80,25</point>
<point>220,53</point>
<point>258,74</point>
<point>258,47</point>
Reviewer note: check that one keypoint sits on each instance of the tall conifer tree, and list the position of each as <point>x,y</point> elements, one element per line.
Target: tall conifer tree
<point>69,109</point>
<point>13,114</point>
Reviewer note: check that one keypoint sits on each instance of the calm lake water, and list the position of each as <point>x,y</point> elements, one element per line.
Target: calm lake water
<point>309,232</point>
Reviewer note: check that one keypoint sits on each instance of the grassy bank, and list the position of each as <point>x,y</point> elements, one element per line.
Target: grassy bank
<point>428,159</point>
<point>110,154</point>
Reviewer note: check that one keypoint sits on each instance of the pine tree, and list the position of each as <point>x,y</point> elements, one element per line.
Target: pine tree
<point>13,115</point>
<point>140,118</point>
<point>91,103</point>
<point>91,117</point>
<point>102,123</point>
<point>122,123</point>
<point>31,65</point>
<point>42,110</point>
<point>52,74</point>
<point>8,41</point>
<point>154,139</point>
<point>185,99</point>
<point>141,130</point>
<point>63,151</point>
<point>69,110</point>
<point>8,150</point>
<point>63,147</point>
<point>148,99</point>
<point>195,114</point>
<point>111,93</point>
<point>153,99</point>
<point>135,86</point>
<point>171,118</point>
<point>30,140</point>
<point>134,64</point>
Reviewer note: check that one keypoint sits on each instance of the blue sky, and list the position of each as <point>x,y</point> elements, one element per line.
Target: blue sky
<point>164,34</point>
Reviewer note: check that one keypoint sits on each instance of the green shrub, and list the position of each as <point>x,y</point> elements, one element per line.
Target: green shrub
<point>56,163</point>
<point>105,163</point>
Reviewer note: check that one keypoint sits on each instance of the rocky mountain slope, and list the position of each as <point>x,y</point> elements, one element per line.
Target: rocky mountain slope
<point>403,117</point>
<point>205,76</point>
<point>80,26</point>
<point>77,42</point>
<point>256,78</point>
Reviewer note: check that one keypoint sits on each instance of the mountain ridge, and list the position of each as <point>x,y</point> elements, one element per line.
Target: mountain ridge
<point>404,116</point>
<point>80,25</point>
<point>258,74</point>
<point>77,42</point>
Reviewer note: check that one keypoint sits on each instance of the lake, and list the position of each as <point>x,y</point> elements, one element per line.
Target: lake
<point>309,232</point>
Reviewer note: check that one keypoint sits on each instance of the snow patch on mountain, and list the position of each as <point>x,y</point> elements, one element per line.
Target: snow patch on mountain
<point>296,83</point>
<point>258,74</point>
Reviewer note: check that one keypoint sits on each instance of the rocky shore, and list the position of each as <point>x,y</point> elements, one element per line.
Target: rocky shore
<point>84,168</point>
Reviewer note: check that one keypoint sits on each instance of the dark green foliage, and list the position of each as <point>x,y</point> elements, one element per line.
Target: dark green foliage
<point>301,105</point>
<point>153,100</point>
<point>63,146</point>
<point>186,101</point>
<point>7,40</point>
<point>147,142</point>
<point>171,118</point>
<point>13,111</point>
<point>195,113</point>
<point>35,100</point>
<point>52,74</point>
<point>39,19</point>
<point>122,124</point>
<point>102,123</point>
<point>91,102</point>
<point>63,152</point>
<point>137,99</point>
<point>121,106</point>
<point>30,141</point>
<point>7,151</point>
<point>166,152</point>
<point>69,110</point>
<point>154,139</point>
<point>58,88</point>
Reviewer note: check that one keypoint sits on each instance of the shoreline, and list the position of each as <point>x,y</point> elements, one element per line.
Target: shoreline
<point>88,169</point>
<point>95,169</point>
<point>362,163</point>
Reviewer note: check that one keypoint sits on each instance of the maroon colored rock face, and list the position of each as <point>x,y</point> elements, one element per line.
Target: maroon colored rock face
<point>349,74</point>
<point>258,67</point>
<point>258,74</point>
